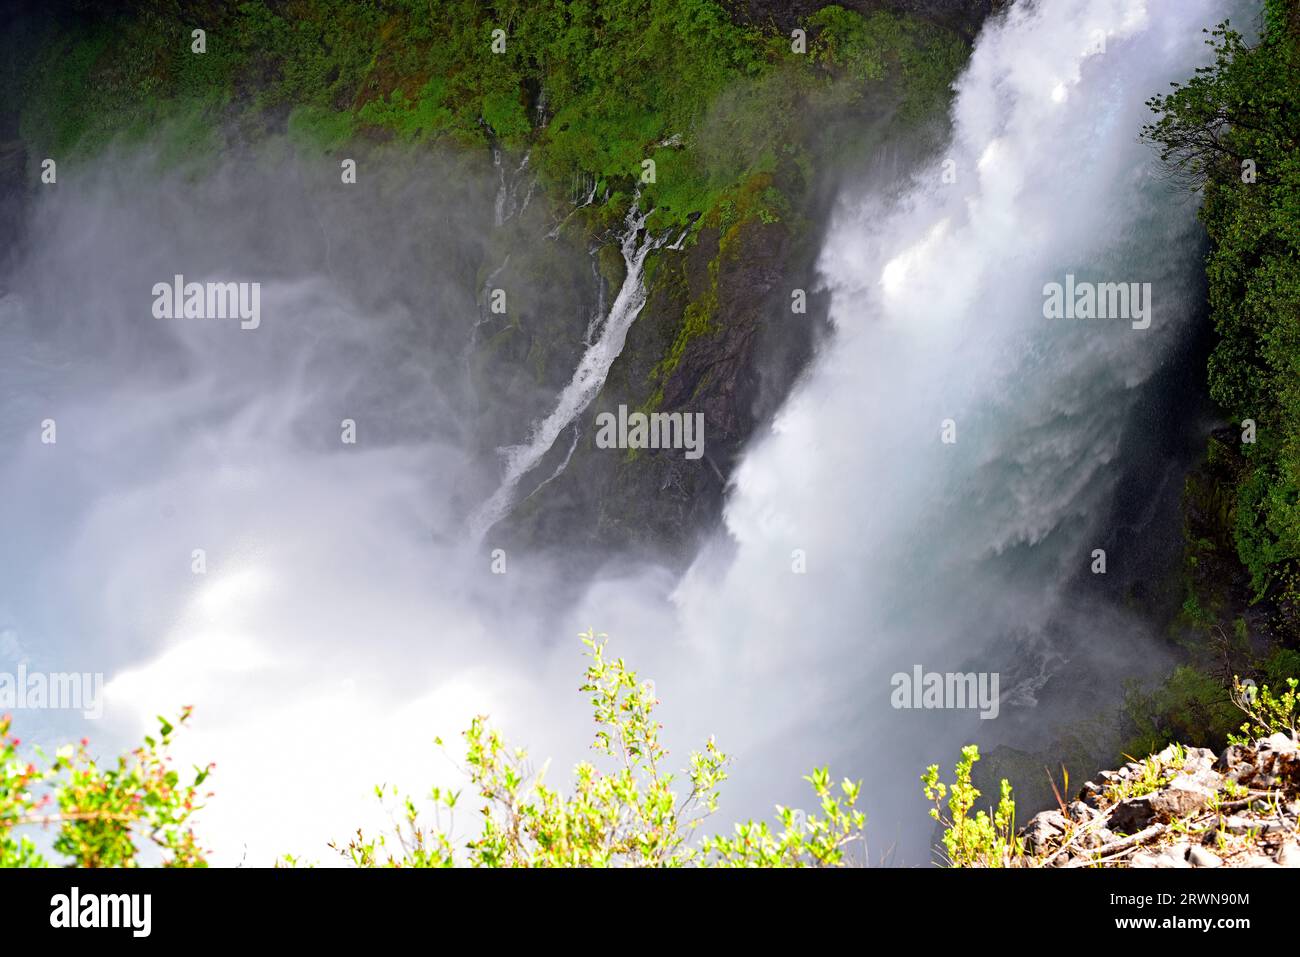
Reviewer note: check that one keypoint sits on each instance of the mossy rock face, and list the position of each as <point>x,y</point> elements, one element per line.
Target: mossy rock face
<point>746,135</point>
<point>715,315</point>
<point>526,354</point>
<point>609,261</point>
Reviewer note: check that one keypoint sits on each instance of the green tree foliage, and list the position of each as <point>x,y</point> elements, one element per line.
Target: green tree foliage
<point>592,87</point>
<point>100,815</point>
<point>1233,130</point>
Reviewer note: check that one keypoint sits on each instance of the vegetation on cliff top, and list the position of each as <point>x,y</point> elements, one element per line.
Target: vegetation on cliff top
<point>1232,131</point>
<point>593,89</point>
<point>734,116</point>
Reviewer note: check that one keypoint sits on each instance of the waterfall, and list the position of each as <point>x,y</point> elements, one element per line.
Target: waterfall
<point>857,542</point>
<point>635,244</point>
<point>862,542</point>
<point>507,203</point>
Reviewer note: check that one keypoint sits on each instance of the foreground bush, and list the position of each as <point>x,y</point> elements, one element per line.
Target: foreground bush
<point>628,813</point>
<point>102,815</point>
<point>1182,807</point>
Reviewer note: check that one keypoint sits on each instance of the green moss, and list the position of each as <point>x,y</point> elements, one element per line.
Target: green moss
<point>609,260</point>
<point>424,116</point>
<point>1190,705</point>
<point>536,360</point>
<point>754,201</point>
<point>699,318</point>
<point>54,117</point>
<point>319,128</point>
<point>711,101</point>
<point>504,112</point>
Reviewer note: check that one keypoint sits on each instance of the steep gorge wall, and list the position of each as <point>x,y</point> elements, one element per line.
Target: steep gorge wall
<point>751,141</point>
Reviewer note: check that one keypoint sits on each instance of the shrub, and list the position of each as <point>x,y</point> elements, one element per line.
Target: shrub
<point>981,841</point>
<point>103,813</point>
<point>628,814</point>
<point>1269,713</point>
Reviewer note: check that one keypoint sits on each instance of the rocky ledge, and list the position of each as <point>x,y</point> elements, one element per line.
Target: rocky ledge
<point>1183,807</point>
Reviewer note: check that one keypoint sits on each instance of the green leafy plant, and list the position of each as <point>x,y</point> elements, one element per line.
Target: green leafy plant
<point>1269,713</point>
<point>1231,131</point>
<point>985,840</point>
<point>1153,773</point>
<point>103,813</point>
<point>627,813</point>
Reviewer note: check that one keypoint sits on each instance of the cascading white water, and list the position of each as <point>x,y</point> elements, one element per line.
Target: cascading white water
<point>923,552</point>
<point>507,204</point>
<point>635,244</point>
<point>332,635</point>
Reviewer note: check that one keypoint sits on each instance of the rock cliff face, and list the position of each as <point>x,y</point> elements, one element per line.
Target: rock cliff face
<point>752,165</point>
<point>718,335</point>
<point>13,199</point>
<point>13,151</point>
<point>1183,807</point>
